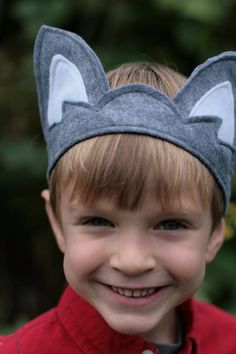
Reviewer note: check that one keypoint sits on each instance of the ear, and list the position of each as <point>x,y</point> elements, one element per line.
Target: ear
<point>65,85</point>
<point>211,91</point>
<point>66,69</point>
<point>215,241</point>
<point>55,225</point>
<point>219,102</point>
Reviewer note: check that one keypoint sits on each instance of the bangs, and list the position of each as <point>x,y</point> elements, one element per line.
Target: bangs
<point>125,167</point>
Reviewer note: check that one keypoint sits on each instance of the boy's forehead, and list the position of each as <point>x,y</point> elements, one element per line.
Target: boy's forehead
<point>186,201</point>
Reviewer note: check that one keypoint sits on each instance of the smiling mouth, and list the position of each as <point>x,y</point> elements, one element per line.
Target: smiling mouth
<point>135,293</point>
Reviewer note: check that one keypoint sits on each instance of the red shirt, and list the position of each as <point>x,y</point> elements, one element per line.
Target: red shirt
<point>75,327</point>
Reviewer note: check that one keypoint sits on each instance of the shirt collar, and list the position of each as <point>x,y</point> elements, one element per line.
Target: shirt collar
<point>88,329</point>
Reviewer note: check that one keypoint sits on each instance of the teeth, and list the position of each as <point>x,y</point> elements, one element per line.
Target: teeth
<point>137,293</point>
<point>120,291</point>
<point>144,293</point>
<point>128,292</point>
<point>150,291</point>
<point>134,293</point>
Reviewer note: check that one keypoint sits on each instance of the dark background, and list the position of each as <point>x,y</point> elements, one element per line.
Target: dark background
<point>177,33</point>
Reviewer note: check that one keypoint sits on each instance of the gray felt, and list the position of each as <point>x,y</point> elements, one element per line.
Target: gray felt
<point>135,108</point>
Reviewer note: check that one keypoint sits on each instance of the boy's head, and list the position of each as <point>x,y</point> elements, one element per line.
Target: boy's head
<point>135,177</point>
<point>138,181</point>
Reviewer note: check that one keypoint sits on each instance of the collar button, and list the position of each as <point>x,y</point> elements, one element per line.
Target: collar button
<point>147,351</point>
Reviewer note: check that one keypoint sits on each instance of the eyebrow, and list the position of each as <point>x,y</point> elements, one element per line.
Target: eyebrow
<point>88,209</point>
<point>168,212</point>
<point>183,211</point>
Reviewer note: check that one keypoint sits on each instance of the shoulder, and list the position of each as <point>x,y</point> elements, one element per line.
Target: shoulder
<point>44,334</point>
<point>38,333</point>
<point>212,328</point>
<point>213,316</point>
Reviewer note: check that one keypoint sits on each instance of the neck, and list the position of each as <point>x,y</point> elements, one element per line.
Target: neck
<point>167,330</point>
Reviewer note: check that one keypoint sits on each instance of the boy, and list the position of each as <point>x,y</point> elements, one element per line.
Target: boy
<point>138,188</point>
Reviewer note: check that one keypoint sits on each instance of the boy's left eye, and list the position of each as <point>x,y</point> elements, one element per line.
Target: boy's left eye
<point>170,225</point>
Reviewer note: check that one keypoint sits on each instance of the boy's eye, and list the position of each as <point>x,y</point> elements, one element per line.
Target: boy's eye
<point>170,225</point>
<point>96,221</point>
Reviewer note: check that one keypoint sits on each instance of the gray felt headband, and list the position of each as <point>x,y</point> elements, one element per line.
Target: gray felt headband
<point>76,103</point>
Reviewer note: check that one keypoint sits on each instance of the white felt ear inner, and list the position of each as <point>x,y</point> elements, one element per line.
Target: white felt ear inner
<point>65,85</point>
<point>218,101</point>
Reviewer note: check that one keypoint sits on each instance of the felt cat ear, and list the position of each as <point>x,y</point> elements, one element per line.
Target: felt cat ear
<point>65,85</point>
<point>210,91</point>
<point>219,102</point>
<point>66,70</point>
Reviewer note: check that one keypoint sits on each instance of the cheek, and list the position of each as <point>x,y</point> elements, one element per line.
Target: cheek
<point>188,267</point>
<point>82,257</point>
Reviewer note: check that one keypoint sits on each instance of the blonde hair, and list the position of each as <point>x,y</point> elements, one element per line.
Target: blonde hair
<point>160,77</point>
<point>124,167</point>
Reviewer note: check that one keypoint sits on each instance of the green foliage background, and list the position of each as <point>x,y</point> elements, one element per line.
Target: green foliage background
<point>180,34</point>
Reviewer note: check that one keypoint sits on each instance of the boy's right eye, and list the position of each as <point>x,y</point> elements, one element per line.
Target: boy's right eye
<point>96,221</point>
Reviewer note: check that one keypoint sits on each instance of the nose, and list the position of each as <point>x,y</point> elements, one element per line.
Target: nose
<point>133,255</point>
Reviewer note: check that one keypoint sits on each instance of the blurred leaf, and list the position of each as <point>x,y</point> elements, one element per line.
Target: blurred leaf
<point>4,330</point>
<point>208,11</point>
<point>33,13</point>
<point>231,221</point>
<point>23,156</point>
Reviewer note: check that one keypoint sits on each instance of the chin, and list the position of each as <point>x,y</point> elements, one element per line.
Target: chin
<point>130,326</point>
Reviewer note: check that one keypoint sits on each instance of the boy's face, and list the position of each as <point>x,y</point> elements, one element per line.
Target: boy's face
<point>136,267</point>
